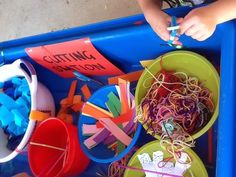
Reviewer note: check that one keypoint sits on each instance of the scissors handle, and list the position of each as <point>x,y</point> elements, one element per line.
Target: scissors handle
<point>173,28</point>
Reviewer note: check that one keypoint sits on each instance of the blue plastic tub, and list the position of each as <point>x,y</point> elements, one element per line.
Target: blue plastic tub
<point>125,43</point>
<point>101,153</point>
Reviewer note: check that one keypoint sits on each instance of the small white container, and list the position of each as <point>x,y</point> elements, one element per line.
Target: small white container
<point>41,100</point>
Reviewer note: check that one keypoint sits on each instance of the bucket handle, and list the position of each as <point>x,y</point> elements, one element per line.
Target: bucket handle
<point>12,70</point>
<point>32,79</point>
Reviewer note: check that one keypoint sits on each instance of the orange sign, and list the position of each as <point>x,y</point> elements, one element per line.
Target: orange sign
<point>77,55</point>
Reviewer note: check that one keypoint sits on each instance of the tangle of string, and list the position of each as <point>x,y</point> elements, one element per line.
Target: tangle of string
<point>115,169</point>
<point>175,107</point>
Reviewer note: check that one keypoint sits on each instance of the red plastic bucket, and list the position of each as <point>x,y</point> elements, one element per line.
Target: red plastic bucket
<point>54,150</point>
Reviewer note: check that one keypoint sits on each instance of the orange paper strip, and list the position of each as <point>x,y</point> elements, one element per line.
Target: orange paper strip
<point>131,77</point>
<point>76,100</point>
<point>38,115</point>
<point>77,107</point>
<point>94,111</point>
<point>65,117</point>
<point>123,96</point>
<point>86,92</point>
<point>71,93</point>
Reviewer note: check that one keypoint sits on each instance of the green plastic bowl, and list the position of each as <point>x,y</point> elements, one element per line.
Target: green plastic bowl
<point>197,168</point>
<point>192,64</point>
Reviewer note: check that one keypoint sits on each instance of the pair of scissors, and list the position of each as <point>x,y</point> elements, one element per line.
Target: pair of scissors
<point>174,33</point>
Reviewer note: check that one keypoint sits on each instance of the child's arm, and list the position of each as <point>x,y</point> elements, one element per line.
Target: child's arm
<point>158,19</point>
<point>200,23</point>
<point>224,10</point>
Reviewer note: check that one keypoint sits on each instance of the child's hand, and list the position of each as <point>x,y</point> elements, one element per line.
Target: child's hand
<point>199,24</point>
<point>159,22</point>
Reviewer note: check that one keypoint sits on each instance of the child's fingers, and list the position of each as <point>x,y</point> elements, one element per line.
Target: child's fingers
<point>161,29</point>
<point>185,25</point>
<point>165,36</point>
<point>176,39</point>
<point>178,43</point>
<point>169,18</point>
<point>192,30</point>
<point>198,35</point>
<point>162,32</point>
<point>179,20</point>
<point>203,38</point>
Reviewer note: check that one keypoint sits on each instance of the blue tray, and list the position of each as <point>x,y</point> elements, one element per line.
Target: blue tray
<point>125,43</point>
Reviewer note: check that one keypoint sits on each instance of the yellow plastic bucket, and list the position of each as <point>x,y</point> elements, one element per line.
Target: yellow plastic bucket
<point>192,64</point>
<point>197,168</point>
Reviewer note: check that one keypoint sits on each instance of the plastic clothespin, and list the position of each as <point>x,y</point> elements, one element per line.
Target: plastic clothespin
<point>173,28</point>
